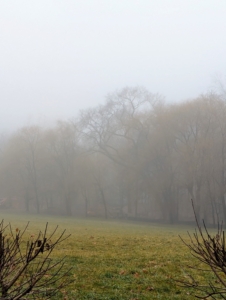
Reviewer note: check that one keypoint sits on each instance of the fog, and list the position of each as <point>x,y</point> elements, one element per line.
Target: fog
<point>58,57</point>
<point>133,157</point>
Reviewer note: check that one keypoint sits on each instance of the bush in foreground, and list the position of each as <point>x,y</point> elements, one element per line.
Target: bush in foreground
<point>210,250</point>
<point>27,270</point>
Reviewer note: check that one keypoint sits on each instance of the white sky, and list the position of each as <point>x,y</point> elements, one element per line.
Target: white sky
<point>57,57</point>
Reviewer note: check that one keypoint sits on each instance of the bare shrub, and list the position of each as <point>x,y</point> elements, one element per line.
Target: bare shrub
<point>27,270</point>
<point>210,251</point>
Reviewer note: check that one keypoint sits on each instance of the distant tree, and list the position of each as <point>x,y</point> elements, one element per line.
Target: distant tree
<point>22,165</point>
<point>63,149</point>
<point>117,130</point>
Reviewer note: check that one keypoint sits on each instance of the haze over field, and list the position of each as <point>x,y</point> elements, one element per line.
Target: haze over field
<point>57,57</point>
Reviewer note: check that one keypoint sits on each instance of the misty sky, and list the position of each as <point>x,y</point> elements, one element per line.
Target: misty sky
<point>58,57</point>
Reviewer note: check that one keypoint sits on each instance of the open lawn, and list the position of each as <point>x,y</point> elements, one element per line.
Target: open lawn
<point>118,260</point>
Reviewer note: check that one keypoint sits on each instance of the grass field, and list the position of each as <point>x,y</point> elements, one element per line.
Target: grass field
<point>118,260</point>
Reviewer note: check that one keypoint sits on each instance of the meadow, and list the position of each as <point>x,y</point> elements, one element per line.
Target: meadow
<point>118,260</point>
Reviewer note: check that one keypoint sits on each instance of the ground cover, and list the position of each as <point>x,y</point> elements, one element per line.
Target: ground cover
<point>118,260</point>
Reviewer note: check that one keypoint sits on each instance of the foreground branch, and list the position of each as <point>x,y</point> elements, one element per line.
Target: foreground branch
<point>209,250</point>
<point>27,270</point>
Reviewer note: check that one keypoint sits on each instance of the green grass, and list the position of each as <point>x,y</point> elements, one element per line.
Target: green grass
<point>118,260</point>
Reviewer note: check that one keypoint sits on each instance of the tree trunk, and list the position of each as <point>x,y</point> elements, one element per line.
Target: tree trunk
<point>104,203</point>
<point>68,204</point>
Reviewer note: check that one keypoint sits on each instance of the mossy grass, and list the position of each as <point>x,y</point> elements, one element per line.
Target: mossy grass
<point>118,260</point>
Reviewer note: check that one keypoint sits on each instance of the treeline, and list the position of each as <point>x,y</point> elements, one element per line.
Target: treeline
<point>132,157</point>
